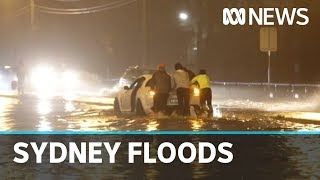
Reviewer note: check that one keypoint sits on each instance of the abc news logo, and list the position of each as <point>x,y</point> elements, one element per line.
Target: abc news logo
<point>265,16</point>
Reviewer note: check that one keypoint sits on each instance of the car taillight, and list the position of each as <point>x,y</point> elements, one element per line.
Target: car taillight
<point>196,91</point>
<point>152,93</point>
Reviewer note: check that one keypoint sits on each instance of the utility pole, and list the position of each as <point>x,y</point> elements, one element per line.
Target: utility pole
<point>144,32</point>
<point>32,14</point>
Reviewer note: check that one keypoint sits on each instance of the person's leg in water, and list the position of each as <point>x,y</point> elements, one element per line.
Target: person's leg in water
<point>202,100</point>
<point>163,102</point>
<point>180,96</point>
<point>186,105</point>
<point>21,86</point>
<point>156,103</point>
<point>209,102</point>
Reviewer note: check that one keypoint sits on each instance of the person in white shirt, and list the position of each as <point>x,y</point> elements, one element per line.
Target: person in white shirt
<point>181,83</point>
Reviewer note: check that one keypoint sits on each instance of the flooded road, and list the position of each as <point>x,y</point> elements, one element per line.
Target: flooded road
<point>255,157</point>
<point>34,114</point>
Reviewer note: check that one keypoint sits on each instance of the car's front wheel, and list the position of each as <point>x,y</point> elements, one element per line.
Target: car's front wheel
<point>139,108</point>
<point>116,107</point>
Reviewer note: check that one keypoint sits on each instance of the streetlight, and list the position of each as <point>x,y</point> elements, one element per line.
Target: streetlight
<point>183,16</point>
<point>189,23</point>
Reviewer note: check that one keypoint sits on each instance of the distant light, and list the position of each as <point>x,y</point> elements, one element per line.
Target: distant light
<point>70,80</point>
<point>183,16</point>
<point>44,80</point>
<point>271,95</point>
<point>195,48</point>
<point>296,96</point>
<point>7,67</point>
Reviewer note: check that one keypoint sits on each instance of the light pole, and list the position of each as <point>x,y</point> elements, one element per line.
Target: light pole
<point>32,14</point>
<point>144,32</point>
<point>190,24</point>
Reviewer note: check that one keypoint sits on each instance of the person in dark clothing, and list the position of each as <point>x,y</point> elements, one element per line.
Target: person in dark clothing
<point>21,72</point>
<point>161,84</point>
<point>182,86</point>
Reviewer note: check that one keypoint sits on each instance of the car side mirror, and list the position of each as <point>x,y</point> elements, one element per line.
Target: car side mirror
<point>126,88</point>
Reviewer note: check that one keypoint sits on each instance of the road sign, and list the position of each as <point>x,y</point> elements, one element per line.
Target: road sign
<point>268,39</point>
<point>269,43</point>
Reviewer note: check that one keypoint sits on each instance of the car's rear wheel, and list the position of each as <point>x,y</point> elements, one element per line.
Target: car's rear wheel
<point>116,107</point>
<point>139,108</point>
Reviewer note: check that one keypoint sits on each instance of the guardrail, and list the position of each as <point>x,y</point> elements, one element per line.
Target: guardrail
<point>265,84</point>
<point>264,91</point>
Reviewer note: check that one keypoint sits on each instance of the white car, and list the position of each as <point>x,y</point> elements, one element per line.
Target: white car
<point>138,98</point>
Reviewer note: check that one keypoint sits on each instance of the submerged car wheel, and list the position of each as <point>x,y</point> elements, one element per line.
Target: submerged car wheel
<point>116,107</point>
<point>139,108</point>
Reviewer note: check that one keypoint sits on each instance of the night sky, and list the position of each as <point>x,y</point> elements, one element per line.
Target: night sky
<point>114,37</point>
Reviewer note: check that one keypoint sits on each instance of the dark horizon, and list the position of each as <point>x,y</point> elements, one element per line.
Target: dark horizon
<point>92,41</point>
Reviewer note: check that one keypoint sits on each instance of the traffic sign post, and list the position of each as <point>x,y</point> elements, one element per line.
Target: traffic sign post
<point>268,43</point>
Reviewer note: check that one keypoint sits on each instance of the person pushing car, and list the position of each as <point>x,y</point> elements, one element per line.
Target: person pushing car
<point>182,85</point>
<point>161,84</point>
<point>205,90</point>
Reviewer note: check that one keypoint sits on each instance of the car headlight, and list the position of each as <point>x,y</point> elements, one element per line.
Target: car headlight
<point>43,77</point>
<point>70,79</point>
<point>196,91</point>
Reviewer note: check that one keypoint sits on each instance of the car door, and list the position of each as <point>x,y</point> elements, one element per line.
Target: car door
<point>145,95</point>
<point>127,95</point>
<point>125,100</point>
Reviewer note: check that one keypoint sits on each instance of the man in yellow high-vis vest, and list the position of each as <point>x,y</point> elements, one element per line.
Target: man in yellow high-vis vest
<point>205,90</point>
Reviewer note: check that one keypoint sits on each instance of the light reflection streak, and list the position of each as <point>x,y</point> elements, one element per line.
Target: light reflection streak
<point>92,125</point>
<point>152,125</point>
<point>44,108</point>
<point>196,124</point>
<point>69,107</point>
<point>6,104</point>
<point>305,115</point>
<point>44,124</point>
<point>307,161</point>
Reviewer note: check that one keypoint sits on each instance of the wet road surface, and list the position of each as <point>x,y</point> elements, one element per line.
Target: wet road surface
<point>256,157</point>
<point>36,114</point>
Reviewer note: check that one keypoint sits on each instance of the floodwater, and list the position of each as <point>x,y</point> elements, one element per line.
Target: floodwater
<point>256,157</point>
<point>33,114</point>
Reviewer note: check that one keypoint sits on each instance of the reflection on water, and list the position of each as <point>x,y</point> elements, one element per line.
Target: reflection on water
<point>304,115</point>
<point>297,157</point>
<point>196,124</point>
<point>69,107</point>
<point>58,114</point>
<point>44,124</point>
<point>306,157</point>
<point>6,105</point>
<point>152,125</point>
<point>44,108</point>
<point>69,96</point>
